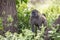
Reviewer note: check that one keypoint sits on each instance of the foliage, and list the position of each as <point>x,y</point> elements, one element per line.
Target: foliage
<point>23,13</point>
<point>23,16</point>
<point>1,26</point>
<point>9,18</point>
<point>52,13</point>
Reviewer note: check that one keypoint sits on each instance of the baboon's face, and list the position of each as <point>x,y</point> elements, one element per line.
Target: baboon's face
<point>34,13</point>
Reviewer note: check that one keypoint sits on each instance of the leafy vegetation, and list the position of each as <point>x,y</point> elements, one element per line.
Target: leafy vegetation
<point>23,13</point>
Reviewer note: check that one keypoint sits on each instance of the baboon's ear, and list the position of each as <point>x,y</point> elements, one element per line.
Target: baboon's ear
<point>44,14</point>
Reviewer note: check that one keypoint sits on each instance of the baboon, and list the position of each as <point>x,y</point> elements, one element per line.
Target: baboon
<point>46,34</point>
<point>37,19</point>
<point>57,22</point>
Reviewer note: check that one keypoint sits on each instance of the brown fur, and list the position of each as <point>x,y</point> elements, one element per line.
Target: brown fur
<point>37,19</point>
<point>57,22</point>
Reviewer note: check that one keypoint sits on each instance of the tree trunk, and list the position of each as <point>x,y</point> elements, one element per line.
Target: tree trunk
<point>8,14</point>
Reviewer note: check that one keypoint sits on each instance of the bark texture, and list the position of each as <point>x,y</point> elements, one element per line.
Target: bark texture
<point>8,14</point>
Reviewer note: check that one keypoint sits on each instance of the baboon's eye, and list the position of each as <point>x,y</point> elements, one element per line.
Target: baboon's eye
<point>33,12</point>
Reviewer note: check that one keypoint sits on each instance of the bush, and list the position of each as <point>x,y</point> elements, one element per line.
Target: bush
<point>52,13</point>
